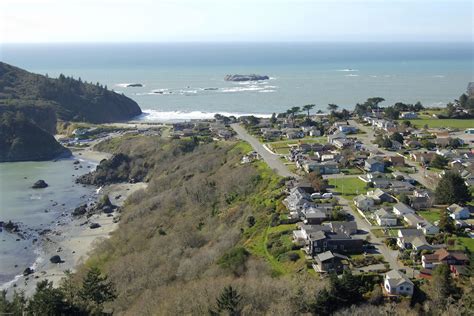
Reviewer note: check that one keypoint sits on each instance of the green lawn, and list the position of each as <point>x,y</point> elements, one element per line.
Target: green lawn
<point>352,171</point>
<point>467,242</point>
<point>461,124</point>
<point>431,215</point>
<point>348,187</point>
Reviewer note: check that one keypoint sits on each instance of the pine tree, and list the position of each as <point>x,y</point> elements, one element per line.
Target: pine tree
<point>96,290</point>
<point>229,301</point>
<point>452,189</point>
<point>446,222</point>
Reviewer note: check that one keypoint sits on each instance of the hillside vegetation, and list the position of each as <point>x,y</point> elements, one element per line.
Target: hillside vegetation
<point>188,236</point>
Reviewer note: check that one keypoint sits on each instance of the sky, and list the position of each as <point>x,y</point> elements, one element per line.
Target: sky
<point>44,21</point>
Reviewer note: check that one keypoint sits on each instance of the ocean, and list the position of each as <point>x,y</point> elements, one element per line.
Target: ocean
<point>186,80</point>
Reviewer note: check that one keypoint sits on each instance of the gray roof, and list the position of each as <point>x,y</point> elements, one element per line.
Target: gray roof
<point>329,255</point>
<point>317,235</point>
<point>403,208</point>
<point>396,278</point>
<point>410,232</point>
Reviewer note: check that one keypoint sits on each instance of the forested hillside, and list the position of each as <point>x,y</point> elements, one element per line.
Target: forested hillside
<point>72,100</point>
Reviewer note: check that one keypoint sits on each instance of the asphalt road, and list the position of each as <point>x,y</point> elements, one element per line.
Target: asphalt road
<point>272,160</point>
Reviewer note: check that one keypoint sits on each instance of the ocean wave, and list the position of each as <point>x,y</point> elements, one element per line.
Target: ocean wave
<point>267,91</point>
<point>126,84</point>
<point>347,70</point>
<point>351,75</point>
<point>167,116</point>
<point>439,76</point>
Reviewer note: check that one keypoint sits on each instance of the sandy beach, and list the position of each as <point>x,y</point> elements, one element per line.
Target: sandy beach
<point>72,238</point>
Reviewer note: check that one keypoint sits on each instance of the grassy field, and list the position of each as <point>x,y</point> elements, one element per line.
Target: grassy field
<point>348,187</point>
<point>461,124</point>
<point>467,242</point>
<point>431,215</point>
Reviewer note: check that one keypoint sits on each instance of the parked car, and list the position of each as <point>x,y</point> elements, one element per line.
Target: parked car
<point>327,195</point>
<point>316,195</point>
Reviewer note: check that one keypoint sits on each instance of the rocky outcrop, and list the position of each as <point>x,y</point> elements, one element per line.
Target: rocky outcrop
<point>40,184</point>
<point>134,85</point>
<point>22,140</point>
<point>252,77</point>
<point>55,259</point>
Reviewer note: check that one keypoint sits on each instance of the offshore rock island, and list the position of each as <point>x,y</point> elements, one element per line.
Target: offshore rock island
<point>252,77</point>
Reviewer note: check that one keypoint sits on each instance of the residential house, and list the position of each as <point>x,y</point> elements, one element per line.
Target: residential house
<point>422,157</point>
<point>372,165</point>
<point>412,238</point>
<point>397,283</point>
<point>313,216</point>
<point>348,228</point>
<point>443,256</point>
<point>363,202</point>
<point>400,209</point>
<point>320,242</point>
<point>380,196</point>
<point>335,136</point>
<point>412,143</point>
<point>408,115</point>
<point>384,217</point>
<point>459,212</point>
<point>301,235</point>
<point>270,133</point>
<point>397,161</point>
<point>413,219</point>
<point>398,187</point>
<point>427,228</point>
<point>330,262</point>
<point>327,167</point>
<point>347,129</point>
<point>420,202</point>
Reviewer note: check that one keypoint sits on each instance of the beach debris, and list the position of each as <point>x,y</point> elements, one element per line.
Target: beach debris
<point>76,162</point>
<point>56,259</point>
<point>40,184</point>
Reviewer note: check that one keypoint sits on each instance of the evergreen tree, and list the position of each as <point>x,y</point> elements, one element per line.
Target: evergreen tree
<point>442,285</point>
<point>308,107</point>
<point>397,137</point>
<point>439,162</point>
<point>229,301</point>
<point>96,290</point>
<point>452,189</point>
<point>47,300</point>
<point>446,222</point>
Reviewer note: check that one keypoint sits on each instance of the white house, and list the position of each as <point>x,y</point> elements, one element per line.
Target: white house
<point>385,218</point>
<point>397,283</point>
<point>408,115</point>
<point>427,228</point>
<point>400,209</point>
<point>363,202</point>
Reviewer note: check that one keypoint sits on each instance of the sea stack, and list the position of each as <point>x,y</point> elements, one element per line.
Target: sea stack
<point>40,184</point>
<point>252,77</point>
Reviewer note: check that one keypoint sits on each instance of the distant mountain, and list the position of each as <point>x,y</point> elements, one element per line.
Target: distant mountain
<point>22,140</point>
<point>71,99</point>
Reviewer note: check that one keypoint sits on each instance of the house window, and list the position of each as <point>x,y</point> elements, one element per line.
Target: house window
<point>401,288</point>
<point>325,244</point>
<point>318,249</point>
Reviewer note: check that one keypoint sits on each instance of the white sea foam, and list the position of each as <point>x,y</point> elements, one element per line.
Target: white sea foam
<point>126,84</point>
<point>439,76</point>
<point>170,116</point>
<point>267,91</point>
<point>351,75</point>
<point>347,70</point>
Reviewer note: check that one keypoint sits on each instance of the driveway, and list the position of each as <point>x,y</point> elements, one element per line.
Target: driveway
<point>272,160</point>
